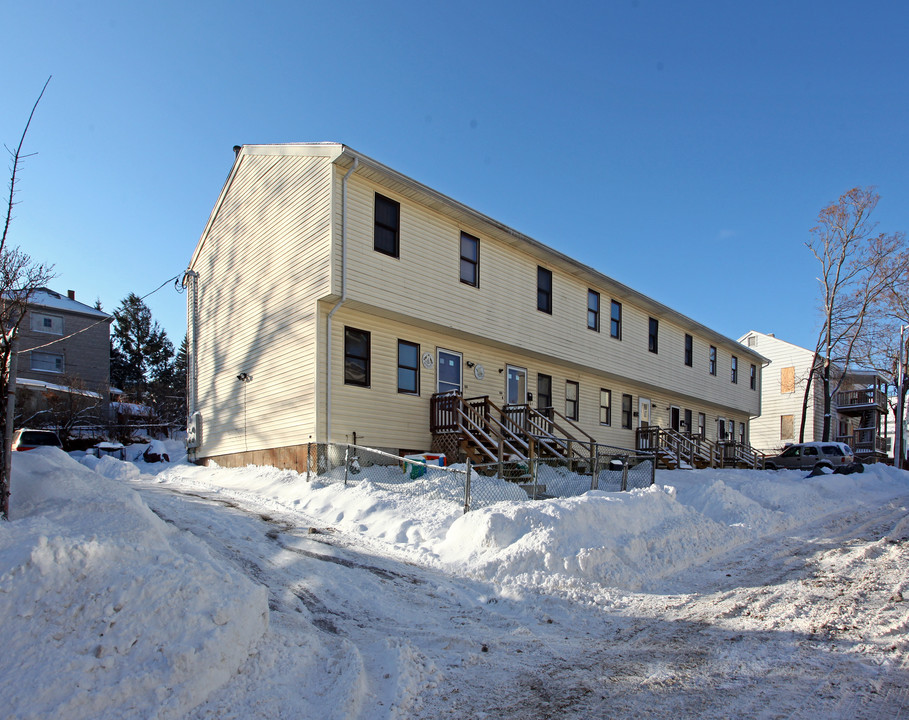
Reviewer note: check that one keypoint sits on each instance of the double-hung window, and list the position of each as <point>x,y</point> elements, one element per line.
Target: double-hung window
<point>593,310</point>
<point>544,391</point>
<point>605,407</point>
<point>408,367</point>
<point>470,260</point>
<point>615,320</point>
<point>626,411</point>
<point>356,357</point>
<point>388,226</point>
<point>689,350</point>
<point>753,379</point>
<point>735,369</point>
<point>653,336</point>
<point>571,399</point>
<point>711,362</point>
<point>544,290</point>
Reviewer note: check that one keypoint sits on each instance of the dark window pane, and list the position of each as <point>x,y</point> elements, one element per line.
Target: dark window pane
<point>387,225</point>
<point>544,290</point>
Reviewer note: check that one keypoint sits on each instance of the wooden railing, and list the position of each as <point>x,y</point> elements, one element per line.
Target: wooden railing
<point>510,431</point>
<point>865,441</point>
<point>867,397</point>
<point>694,450</point>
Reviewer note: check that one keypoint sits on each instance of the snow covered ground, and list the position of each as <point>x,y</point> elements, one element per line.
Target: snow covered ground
<point>131,590</point>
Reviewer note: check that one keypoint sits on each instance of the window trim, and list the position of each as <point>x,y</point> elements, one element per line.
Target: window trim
<point>415,369</point>
<point>593,312</point>
<point>474,263</point>
<point>544,292</point>
<point>627,411</point>
<point>577,400</point>
<point>36,315</point>
<point>540,393</point>
<point>615,323</point>
<point>55,356</point>
<point>367,359</point>
<point>396,229</point>
<point>607,407</point>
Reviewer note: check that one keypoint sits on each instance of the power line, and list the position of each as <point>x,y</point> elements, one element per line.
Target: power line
<point>175,278</point>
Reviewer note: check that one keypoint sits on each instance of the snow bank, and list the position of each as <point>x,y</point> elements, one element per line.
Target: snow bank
<point>633,540</point>
<point>107,611</point>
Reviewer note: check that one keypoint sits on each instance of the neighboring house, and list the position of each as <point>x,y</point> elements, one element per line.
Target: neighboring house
<point>64,348</point>
<point>331,298</point>
<point>859,407</point>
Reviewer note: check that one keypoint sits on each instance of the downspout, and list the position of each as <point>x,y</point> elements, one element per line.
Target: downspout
<point>356,164</point>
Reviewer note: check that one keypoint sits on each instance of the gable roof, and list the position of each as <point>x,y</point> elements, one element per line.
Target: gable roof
<point>344,156</point>
<point>44,297</point>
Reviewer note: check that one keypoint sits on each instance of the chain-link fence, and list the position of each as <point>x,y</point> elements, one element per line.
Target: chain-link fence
<point>474,486</point>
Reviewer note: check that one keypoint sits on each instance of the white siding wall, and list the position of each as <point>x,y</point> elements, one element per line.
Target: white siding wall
<point>765,430</point>
<point>263,265</point>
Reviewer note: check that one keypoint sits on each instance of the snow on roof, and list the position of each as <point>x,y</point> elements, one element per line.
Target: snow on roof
<point>45,297</point>
<point>40,384</point>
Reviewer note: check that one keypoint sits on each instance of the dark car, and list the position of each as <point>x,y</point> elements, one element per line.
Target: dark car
<point>811,455</point>
<point>26,439</point>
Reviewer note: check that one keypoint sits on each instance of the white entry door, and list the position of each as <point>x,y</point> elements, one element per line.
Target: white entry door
<point>448,373</point>
<point>643,412</point>
<point>515,385</point>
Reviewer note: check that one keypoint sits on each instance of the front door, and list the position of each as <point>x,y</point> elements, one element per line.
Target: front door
<point>643,412</point>
<point>448,375</point>
<point>515,385</point>
<point>674,418</point>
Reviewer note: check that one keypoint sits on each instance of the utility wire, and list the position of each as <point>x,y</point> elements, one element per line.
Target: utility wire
<point>175,278</point>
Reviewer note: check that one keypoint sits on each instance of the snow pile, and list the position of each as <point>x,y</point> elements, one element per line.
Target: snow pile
<point>108,612</point>
<point>631,540</point>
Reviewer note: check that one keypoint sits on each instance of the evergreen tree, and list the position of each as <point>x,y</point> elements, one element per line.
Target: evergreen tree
<point>143,346</point>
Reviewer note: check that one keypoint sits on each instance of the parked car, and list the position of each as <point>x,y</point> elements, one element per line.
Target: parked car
<point>27,439</point>
<point>811,455</point>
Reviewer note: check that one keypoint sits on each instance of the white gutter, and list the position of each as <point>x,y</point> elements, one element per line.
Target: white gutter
<point>356,164</point>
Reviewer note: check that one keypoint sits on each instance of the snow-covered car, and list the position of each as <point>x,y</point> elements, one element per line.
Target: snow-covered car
<point>27,439</point>
<point>811,455</point>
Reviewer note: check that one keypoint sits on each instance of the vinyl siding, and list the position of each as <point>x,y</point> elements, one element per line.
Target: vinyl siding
<point>423,286</point>
<point>382,417</point>
<point>263,265</point>
<point>765,430</point>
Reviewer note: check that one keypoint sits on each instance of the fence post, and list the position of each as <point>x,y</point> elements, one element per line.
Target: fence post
<point>346,463</point>
<point>467,489</point>
<point>625,474</point>
<point>534,467</point>
<point>308,459</point>
<point>594,468</point>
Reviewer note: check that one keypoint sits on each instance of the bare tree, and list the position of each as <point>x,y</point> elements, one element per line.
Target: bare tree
<point>854,273</point>
<point>20,276</point>
<point>882,346</point>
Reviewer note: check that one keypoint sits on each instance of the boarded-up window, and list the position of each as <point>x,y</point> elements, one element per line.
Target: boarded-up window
<point>785,427</point>
<point>787,380</point>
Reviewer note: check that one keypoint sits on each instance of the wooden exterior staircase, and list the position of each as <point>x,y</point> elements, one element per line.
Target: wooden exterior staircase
<point>506,436</point>
<point>684,450</point>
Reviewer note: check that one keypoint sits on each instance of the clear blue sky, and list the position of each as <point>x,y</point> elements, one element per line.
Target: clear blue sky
<point>683,148</point>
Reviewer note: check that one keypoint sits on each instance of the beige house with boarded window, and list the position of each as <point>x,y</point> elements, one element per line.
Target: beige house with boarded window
<point>859,412</point>
<point>331,297</point>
